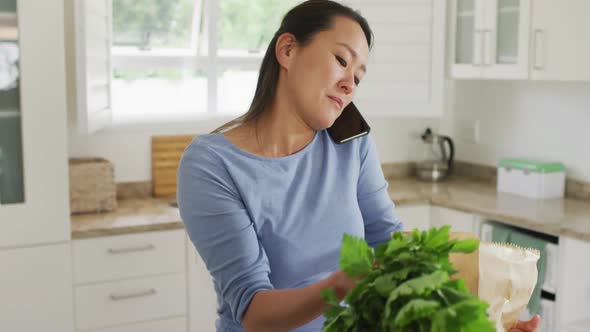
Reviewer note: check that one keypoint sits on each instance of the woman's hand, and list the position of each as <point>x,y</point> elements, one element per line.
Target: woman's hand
<point>342,283</point>
<point>529,326</point>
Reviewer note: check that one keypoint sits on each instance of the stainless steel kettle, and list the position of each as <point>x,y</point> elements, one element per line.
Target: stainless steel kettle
<point>436,163</point>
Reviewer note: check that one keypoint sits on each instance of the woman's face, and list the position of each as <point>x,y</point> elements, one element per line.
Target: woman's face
<point>324,74</point>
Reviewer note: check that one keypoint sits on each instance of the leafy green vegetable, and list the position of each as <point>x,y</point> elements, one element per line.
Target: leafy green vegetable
<point>406,286</point>
<point>357,257</point>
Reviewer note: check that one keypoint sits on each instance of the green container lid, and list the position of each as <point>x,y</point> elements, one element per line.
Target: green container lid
<point>532,165</point>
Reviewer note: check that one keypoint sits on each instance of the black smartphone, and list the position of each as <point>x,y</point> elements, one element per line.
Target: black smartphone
<point>349,125</point>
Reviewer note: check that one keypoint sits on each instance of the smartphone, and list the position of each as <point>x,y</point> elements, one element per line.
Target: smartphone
<point>349,125</point>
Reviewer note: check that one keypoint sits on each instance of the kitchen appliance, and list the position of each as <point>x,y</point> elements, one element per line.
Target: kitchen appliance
<point>436,162</point>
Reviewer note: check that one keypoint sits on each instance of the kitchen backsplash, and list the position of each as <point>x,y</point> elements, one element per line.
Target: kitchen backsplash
<point>574,188</point>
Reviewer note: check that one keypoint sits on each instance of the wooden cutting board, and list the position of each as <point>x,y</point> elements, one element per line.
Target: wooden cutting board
<point>166,153</point>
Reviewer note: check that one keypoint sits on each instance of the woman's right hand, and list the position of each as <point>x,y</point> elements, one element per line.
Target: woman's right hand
<point>342,283</point>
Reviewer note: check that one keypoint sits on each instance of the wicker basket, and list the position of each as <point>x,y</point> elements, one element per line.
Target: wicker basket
<point>92,185</point>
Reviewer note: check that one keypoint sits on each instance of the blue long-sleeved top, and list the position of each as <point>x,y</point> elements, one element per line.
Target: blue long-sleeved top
<point>275,223</point>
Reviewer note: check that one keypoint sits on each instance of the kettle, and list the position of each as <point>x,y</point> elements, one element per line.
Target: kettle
<point>436,162</point>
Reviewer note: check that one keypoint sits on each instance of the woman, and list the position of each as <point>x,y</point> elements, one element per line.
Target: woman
<point>267,197</point>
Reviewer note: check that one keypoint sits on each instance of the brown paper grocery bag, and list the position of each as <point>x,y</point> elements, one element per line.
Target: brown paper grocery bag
<point>467,265</point>
<point>508,275</point>
<point>505,279</point>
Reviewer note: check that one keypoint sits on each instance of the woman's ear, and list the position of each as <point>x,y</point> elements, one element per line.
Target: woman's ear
<point>285,49</point>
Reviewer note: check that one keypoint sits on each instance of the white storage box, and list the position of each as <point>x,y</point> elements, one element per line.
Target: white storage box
<point>529,178</point>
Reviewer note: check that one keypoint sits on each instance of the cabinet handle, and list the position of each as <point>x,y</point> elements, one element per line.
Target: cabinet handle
<point>124,296</point>
<point>538,61</point>
<point>115,251</point>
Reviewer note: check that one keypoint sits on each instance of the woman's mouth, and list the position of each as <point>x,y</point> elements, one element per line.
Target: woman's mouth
<point>337,100</point>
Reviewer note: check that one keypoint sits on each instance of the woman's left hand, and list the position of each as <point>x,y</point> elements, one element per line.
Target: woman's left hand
<point>528,326</point>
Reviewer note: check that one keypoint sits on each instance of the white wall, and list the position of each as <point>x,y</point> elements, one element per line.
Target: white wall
<point>541,120</point>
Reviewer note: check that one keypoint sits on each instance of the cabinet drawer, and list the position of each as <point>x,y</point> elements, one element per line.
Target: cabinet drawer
<point>130,301</point>
<point>167,325</point>
<point>125,256</point>
<point>414,216</point>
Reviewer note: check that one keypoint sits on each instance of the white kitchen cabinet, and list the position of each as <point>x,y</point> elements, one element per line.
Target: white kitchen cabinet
<point>559,42</point>
<point>42,215</point>
<point>573,285</point>
<point>489,39</point>
<point>202,301</point>
<point>35,256</point>
<point>414,216</point>
<point>131,280</point>
<point>36,289</point>
<point>458,220</point>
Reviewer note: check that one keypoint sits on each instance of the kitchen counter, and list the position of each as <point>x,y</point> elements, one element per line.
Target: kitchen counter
<point>131,216</point>
<point>568,217</point>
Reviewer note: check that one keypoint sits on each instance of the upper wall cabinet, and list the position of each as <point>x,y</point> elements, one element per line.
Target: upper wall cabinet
<point>559,42</point>
<point>489,38</point>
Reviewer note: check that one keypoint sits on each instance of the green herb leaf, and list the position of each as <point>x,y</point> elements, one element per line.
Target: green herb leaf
<point>421,285</point>
<point>356,256</point>
<point>384,284</point>
<point>415,309</point>
<point>466,246</point>
<point>438,237</point>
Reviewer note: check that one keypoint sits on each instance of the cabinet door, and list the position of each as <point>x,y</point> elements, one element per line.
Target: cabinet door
<point>202,298</point>
<point>36,289</point>
<point>573,286</point>
<point>35,158</point>
<point>466,31</point>
<point>458,220</point>
<point>506,39</point>
<point>414,216</point>
<point>560,42</point>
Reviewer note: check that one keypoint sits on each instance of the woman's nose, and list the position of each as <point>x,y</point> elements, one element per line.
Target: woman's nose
<point>347,85</point>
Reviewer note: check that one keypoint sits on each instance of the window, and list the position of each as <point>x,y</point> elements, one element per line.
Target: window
<point>174,59</point>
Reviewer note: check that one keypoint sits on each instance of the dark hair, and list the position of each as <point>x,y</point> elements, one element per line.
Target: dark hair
<point>304,22</point>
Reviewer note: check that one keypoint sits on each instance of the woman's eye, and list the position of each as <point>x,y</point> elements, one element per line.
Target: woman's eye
<point>342,61</point>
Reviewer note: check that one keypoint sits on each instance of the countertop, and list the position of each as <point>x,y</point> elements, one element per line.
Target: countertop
<point>567,217</point>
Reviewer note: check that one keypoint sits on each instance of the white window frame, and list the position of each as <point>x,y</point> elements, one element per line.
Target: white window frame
<point>428,14</point>
<point>212,63</point>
